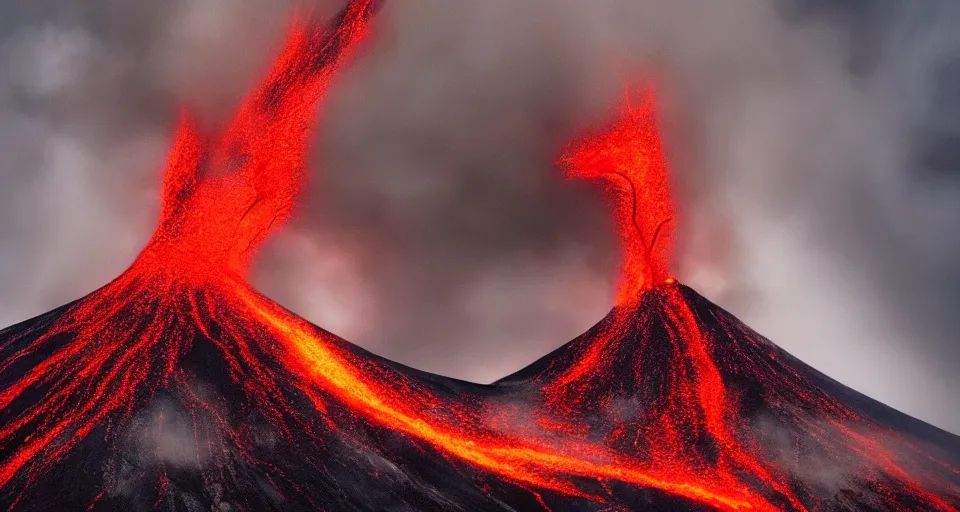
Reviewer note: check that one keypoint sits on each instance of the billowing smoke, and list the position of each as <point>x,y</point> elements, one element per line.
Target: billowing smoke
<point>814,151</point>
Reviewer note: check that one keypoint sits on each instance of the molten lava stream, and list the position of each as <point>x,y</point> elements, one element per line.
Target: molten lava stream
<point>221,197</point>
<point>119,345</point>
<point>224,194</point>
<point>528,461</point>
<point>697,409</point>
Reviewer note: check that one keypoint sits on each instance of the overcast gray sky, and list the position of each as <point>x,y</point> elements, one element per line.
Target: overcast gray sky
<point>814,147</point>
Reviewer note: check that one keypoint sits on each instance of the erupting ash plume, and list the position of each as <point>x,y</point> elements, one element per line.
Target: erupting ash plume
<point>178,385</point>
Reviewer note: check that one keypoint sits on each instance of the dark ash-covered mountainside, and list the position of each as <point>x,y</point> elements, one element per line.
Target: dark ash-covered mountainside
<point>202,440</point>
<point>837,449</point>
<point>177,386</point>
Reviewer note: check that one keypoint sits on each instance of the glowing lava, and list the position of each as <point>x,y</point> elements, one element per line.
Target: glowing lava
<point>221,197</point>
<point>658,357</point>
<point>630,156</point>
<point>642,402</point>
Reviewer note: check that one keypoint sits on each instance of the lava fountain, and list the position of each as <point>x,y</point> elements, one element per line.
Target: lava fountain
<point>300,419</point>
<point>222,196</point>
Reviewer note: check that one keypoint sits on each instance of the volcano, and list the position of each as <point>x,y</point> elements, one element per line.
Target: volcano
<point>178,386</point>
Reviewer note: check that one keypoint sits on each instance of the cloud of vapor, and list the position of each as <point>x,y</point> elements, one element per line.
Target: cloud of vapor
<point>810,142</point>
<point>838,474</point>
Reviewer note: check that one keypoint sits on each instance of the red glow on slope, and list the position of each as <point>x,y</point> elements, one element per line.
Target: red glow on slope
<point>696,409</point>
<point>224,194</point>
<point>527,460</point>
<point>221,197</point>
<point>630,155</point>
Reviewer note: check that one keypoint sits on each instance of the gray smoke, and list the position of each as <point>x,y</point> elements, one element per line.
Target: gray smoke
<point>813,146</point>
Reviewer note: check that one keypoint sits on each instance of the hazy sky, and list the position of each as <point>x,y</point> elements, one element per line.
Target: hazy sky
<point>813,143</point>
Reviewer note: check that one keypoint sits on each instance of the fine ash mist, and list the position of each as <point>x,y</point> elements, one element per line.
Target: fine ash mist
<point>811,147</point>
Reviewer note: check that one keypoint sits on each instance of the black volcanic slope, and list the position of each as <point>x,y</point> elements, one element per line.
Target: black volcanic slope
<point>203,440</point>
<point>179,387</point>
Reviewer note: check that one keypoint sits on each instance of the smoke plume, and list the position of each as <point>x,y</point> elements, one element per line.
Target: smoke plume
<point>813,146</point>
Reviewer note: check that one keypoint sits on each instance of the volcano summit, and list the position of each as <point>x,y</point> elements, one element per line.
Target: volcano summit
<point>179,387</point>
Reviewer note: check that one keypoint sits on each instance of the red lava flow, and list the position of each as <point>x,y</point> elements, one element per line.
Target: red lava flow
<point>223,194</point>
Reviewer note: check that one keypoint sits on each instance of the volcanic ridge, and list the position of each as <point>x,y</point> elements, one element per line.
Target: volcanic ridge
<point>177,386</point>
